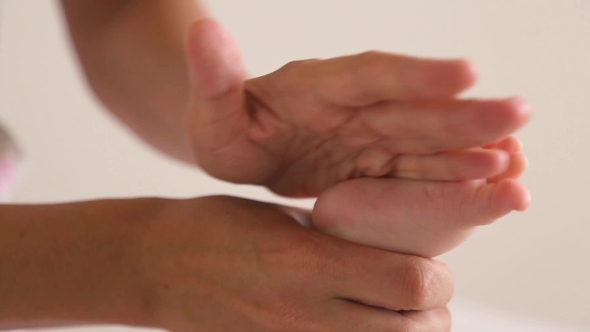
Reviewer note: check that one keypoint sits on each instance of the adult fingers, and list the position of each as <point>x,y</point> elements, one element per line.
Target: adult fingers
<point>350,316</point>
<point>217,76</point>
<point>370,77</point>
<point>426,127</point>
<point>388,280</point>
<point>451,166</point>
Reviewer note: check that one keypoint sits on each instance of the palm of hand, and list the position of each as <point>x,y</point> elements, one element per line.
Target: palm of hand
<point>315,123</point>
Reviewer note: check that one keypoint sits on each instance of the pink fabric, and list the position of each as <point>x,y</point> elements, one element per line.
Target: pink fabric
<point>8,170</point>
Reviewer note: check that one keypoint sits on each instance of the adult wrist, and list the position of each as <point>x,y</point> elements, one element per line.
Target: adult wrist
<point>73,264</point>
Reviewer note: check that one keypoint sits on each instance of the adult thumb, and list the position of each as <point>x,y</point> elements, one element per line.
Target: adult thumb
<point>216,72</point>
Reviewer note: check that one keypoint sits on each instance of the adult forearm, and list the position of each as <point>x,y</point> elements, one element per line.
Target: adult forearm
<point>133,55</point>
<point>72,264</point>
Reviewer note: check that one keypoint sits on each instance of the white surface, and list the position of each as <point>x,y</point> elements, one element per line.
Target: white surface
<point>533,265</point>
<point>474,317</point>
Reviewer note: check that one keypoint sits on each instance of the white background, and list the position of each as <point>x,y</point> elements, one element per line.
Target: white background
<point>534,265</point>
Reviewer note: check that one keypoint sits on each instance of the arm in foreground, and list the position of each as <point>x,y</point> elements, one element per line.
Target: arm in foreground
<point>180,265</point>
<point>70,264</point>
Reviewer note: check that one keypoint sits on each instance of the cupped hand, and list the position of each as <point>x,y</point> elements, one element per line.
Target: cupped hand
<point>315,123</point>
<point>231,264</point>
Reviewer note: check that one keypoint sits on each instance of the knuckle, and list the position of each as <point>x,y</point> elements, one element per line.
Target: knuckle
<point>296,65</point>
<point>289,67</point>
<point>294,77</point>
<point>372,63</point>
<point>371,56</point>
<point>419,283</point>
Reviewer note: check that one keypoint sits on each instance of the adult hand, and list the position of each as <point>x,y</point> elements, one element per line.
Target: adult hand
<point>230,264</point>
<point>315,123</point>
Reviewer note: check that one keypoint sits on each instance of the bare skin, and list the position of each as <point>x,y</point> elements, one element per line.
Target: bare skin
<point>315,123</point>
<point>371,114</point>
<point>212,263</point>
<point>455,209</point>
<point>109,262</point>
